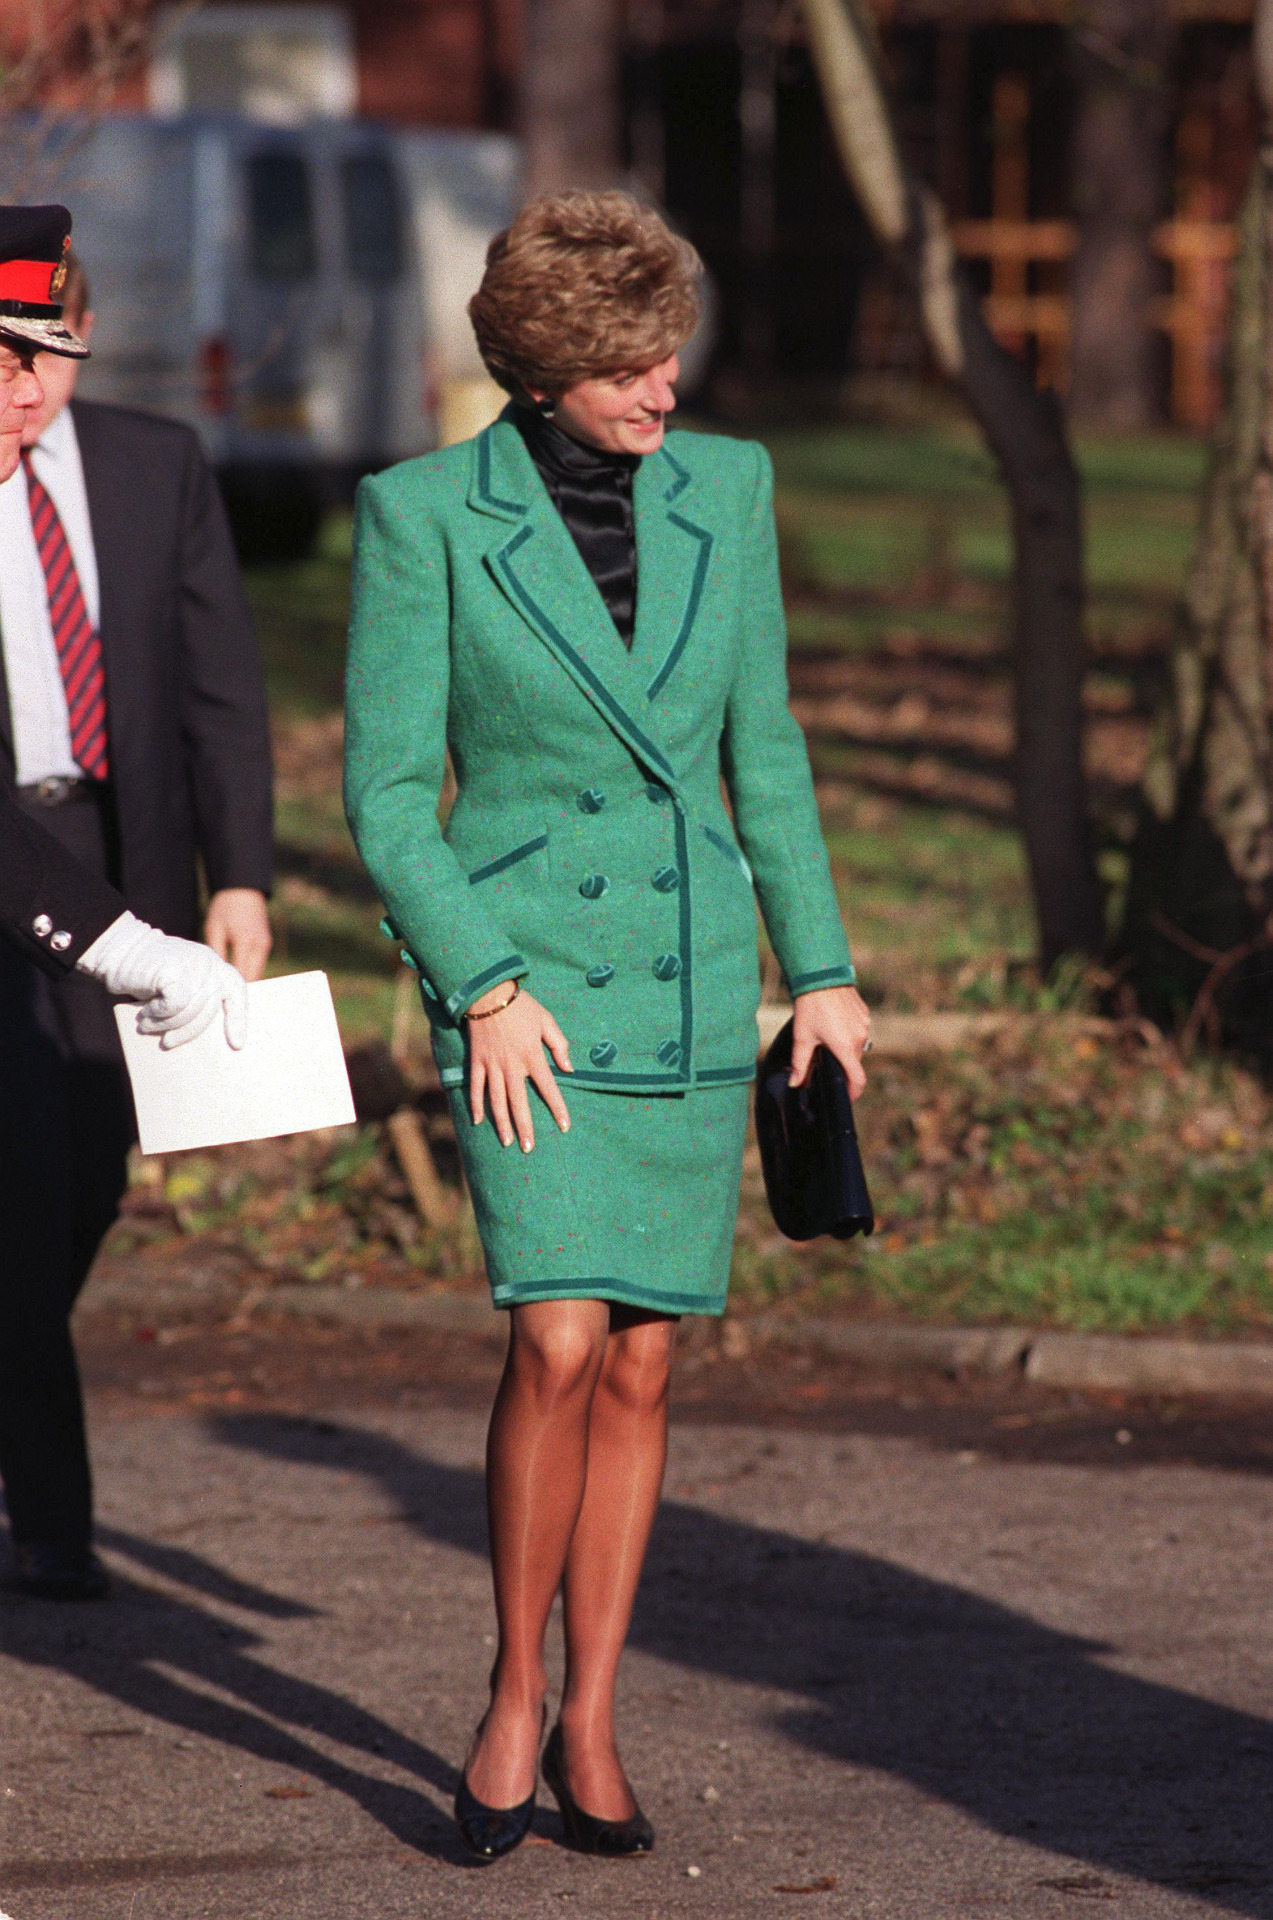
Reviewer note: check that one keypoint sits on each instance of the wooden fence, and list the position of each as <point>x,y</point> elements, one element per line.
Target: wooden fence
<point>1024,253</point>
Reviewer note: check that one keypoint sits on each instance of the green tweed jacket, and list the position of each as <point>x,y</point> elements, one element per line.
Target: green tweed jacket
<point>589,846</point>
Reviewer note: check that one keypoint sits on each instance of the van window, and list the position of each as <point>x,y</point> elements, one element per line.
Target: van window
<point>373,218</point>
<point>283,246</point>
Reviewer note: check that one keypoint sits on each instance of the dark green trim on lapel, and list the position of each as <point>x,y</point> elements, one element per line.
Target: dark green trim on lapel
<point>682,479</point>
<point>598,692</point>
<point>485,493</point>
<point>680,475</point>
<point>705,545</point>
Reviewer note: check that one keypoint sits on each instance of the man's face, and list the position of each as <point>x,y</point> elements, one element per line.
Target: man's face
<point>57,375</point>
<point>20,394</point>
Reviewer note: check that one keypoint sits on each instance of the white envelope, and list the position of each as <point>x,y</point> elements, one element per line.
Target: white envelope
<point>289,1078</point>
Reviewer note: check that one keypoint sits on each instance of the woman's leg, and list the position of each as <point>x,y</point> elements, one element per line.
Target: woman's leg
<point>627,1451</point>
<point>536,1463</point>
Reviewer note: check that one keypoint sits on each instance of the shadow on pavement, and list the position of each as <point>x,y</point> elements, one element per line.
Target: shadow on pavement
<point>1021,1726</point>
<point>132,1650</point>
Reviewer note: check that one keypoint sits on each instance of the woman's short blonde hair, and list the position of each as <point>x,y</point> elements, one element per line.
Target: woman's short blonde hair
<point>582,285</point>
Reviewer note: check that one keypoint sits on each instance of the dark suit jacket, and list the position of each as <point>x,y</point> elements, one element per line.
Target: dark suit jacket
<point>189,740</point>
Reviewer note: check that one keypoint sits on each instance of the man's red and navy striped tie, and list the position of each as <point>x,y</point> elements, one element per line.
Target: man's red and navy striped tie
<point>79,646</point>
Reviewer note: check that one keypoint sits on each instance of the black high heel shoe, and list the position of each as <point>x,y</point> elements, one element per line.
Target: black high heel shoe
<point>616,1839</point>
<point>491,1832</point>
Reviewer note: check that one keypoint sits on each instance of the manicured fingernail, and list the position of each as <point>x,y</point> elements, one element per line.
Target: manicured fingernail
<point>527,1145</point>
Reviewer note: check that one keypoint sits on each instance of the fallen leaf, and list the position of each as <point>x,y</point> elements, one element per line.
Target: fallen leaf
<point>288,1793</point>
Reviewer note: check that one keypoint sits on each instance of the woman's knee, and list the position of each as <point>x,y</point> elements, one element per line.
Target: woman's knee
<point>639,1364</point>
<point>556,1348</point>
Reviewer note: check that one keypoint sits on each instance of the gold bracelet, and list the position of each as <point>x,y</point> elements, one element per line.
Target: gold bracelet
<point>517,987</point>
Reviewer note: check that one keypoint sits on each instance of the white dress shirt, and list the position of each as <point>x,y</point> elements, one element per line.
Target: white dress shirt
<point>37,699</point>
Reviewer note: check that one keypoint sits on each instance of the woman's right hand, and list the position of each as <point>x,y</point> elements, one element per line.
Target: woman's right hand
<point>505,1051</point>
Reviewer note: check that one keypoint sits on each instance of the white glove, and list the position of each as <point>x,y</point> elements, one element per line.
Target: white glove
<point>182,983</point>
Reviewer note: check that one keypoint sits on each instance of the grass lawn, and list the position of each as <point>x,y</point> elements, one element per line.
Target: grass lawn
<point>1113,1186</point>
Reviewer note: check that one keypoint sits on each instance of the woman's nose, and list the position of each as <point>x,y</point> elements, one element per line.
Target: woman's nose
<point>658,393</point>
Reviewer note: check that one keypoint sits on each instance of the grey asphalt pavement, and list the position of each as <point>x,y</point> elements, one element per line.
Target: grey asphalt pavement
<point>869,1676</point>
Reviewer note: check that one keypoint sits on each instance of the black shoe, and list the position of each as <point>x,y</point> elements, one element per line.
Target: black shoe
<point>491,1832</point>
<point>50,1572</point>
<point>617,1839</point>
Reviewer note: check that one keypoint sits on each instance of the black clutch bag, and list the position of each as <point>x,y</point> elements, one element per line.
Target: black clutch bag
<point>809,1147</point>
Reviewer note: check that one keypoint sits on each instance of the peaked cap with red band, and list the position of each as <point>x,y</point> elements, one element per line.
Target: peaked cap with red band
<point>33,248</point>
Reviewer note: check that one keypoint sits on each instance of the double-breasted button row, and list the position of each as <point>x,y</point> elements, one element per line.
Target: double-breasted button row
<point>605,1053</point>
<point>595,886</point>
<point>42,928</point>
<point>592,799</point>
<point>665,966</point>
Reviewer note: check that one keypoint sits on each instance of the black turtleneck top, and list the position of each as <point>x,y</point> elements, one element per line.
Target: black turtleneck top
<point>592,491</point>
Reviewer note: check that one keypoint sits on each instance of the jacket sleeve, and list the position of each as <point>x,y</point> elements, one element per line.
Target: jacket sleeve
<point>397,687</point>
<point>51,907</point>
<point>224,720</point>
<point>767,773</point>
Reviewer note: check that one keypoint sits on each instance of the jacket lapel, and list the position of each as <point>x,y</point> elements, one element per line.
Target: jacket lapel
<point>537,566</point>
<point>674,556</point>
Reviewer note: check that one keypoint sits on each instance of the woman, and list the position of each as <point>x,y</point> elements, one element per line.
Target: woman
<point>586,610</point>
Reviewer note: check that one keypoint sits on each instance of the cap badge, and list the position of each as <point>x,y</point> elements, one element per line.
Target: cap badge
<point>58,278</point>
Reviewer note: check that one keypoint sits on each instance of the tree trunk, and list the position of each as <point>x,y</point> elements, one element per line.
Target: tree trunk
<point>1201,885</point>
<point>570,95</point>
<point>1025,431</point>
<point>1120,190</point>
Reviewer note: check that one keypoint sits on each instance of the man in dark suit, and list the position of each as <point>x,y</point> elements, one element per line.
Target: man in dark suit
<point>133,734</point>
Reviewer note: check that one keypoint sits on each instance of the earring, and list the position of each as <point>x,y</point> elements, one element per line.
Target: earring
<point>546,407</point>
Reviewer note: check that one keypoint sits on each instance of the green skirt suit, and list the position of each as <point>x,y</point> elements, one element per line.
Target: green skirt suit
<point>590,851</point>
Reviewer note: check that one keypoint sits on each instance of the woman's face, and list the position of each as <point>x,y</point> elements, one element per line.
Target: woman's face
<point>623,413</point>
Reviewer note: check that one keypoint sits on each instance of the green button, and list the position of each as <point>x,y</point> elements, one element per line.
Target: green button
<point>669,1054</point>
<point>407,961</point>
<point>604,1054</point>
<point>387,930</point>
<point>593,886</point>
<point>667,966</point>
<point>665,879</point>
<point>591,800</point>
<point>601,975</point>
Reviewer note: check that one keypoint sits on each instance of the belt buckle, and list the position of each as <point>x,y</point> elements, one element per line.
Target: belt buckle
<point>53,789</point>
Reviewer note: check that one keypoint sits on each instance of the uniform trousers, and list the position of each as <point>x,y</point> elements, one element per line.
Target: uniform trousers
<point>66,1124</point>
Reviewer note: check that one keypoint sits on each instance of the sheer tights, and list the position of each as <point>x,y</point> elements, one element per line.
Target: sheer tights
<point>574,1467</point>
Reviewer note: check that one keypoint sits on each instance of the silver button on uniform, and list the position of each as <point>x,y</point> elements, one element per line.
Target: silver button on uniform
<point>60,942</point>
<point>41,926</point>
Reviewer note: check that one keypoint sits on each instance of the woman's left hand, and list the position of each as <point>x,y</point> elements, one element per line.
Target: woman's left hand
<point>838,1019</point>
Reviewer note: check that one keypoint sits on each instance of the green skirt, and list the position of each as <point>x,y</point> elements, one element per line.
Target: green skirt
<point>637,1203</point>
